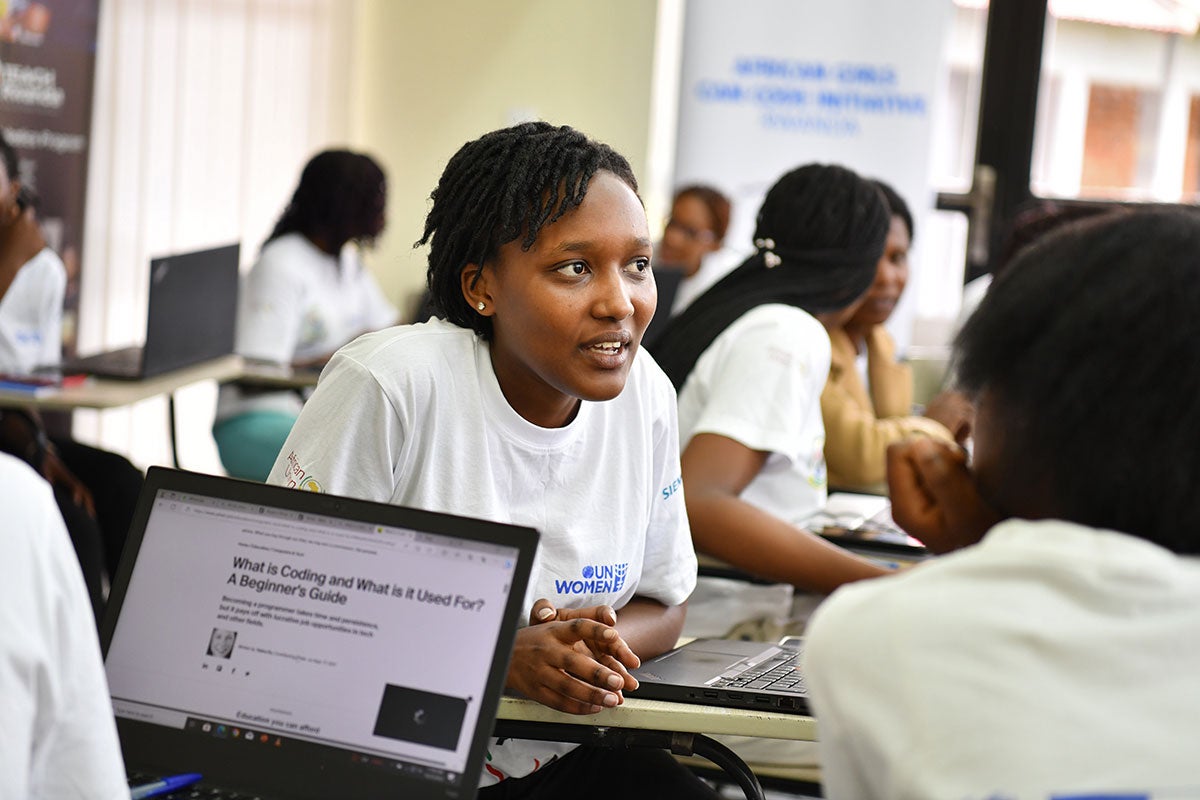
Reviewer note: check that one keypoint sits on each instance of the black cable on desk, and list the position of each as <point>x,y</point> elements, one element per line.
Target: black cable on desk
<point>683,744</point>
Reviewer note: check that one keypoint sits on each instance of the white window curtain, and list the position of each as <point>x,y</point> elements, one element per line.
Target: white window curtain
<point>204,113</point>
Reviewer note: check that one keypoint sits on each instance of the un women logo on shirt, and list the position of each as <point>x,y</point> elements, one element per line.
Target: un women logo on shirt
<point>595,579</point>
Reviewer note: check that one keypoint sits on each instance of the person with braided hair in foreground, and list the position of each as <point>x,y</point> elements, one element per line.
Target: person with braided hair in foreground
<point>750,358</point>
<point>526,400</point>
<point>1054,654</point>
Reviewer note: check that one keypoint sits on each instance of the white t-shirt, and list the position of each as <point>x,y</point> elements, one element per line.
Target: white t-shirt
<point>1050,660</point>
<point>299,302</point>
<point>414,416</point>
<point>58,738</point>
<point>31,315</point>
<point>759,383</point>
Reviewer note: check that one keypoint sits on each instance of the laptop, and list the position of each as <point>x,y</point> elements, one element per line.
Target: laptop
<point>863,524</point>
<point>285,643</point>
<point>190,317</point>
<point>728,672</point>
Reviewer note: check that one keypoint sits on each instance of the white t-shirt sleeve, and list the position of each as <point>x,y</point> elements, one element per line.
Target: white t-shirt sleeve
<point>669,569</point>
<point>767,377</point>
<point>270,309</point>
<point>58,732</point>
<point>347,439</point>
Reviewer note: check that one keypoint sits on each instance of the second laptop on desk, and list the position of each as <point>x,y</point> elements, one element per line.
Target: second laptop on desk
<point>728,672</point>
<point>190,317</point>
<point>742,674</point>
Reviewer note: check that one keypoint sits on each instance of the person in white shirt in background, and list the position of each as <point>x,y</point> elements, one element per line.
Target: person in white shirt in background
<point>308,294</point>
<point>750,359</point>
<point>96,490</point>
<point>1055,653</point>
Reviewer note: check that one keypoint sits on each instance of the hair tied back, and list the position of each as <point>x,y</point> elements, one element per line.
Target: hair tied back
<point>767,247</point>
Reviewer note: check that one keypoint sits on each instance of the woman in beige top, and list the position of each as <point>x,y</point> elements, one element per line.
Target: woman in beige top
<point>862,420</point>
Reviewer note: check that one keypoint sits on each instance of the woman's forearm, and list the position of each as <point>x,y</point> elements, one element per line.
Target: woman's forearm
<point>746,537</point>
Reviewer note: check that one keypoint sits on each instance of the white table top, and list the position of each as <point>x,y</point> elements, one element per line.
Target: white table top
<point>109,393</point>
<point>661,715</point>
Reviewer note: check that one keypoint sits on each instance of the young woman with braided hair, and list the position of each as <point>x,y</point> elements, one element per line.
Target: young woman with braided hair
<point>750,358</point>
<point>526,400</point>
<point>308,294</point>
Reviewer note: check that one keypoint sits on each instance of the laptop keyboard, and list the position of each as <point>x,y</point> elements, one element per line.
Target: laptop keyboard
<point>777,676</point>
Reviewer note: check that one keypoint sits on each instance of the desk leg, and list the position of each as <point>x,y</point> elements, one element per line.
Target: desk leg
<point>683,744</point>
<point>171,429</point>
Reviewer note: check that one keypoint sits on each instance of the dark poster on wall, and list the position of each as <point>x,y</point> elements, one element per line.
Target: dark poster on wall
<point>47,66</point>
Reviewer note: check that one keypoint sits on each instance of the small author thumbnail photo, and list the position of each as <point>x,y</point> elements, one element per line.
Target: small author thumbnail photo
<point>220,643</point>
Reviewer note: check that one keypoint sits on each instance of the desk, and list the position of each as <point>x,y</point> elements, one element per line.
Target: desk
<point>526,719</point>
<point>276,376</point>
<point>102,393</point>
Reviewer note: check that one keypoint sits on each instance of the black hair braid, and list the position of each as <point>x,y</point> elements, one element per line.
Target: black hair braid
<point>820,232</point>
<point>506,185</point>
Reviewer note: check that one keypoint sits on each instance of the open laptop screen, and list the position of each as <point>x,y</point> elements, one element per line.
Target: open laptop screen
<point>312,637</point>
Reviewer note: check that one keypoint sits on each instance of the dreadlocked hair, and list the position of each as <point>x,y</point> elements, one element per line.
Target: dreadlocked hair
<point>507,184</point>
<point>341,196</point>
<point>819,235</point>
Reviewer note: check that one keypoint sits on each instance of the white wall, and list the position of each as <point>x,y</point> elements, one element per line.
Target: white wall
<point>204,113</point>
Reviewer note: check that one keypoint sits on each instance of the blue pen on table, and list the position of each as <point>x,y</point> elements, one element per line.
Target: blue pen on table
<point>167,784</point>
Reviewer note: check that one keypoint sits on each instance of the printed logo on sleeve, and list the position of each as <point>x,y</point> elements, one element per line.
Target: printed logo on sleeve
<point>671,488</point>
<point>815,464</point>
<point>294,476</point>
<point>595,579</point>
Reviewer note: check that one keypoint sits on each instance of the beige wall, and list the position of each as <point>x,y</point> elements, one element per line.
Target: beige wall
<point>429,76</point>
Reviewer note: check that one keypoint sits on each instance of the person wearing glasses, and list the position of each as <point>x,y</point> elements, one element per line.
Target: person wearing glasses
<point>693,241</point>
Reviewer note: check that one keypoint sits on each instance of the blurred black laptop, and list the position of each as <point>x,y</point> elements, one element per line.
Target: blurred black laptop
<point>280,642</point>
<point>863,524</point>
<point>190,317</point>
<point>728,672</point>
